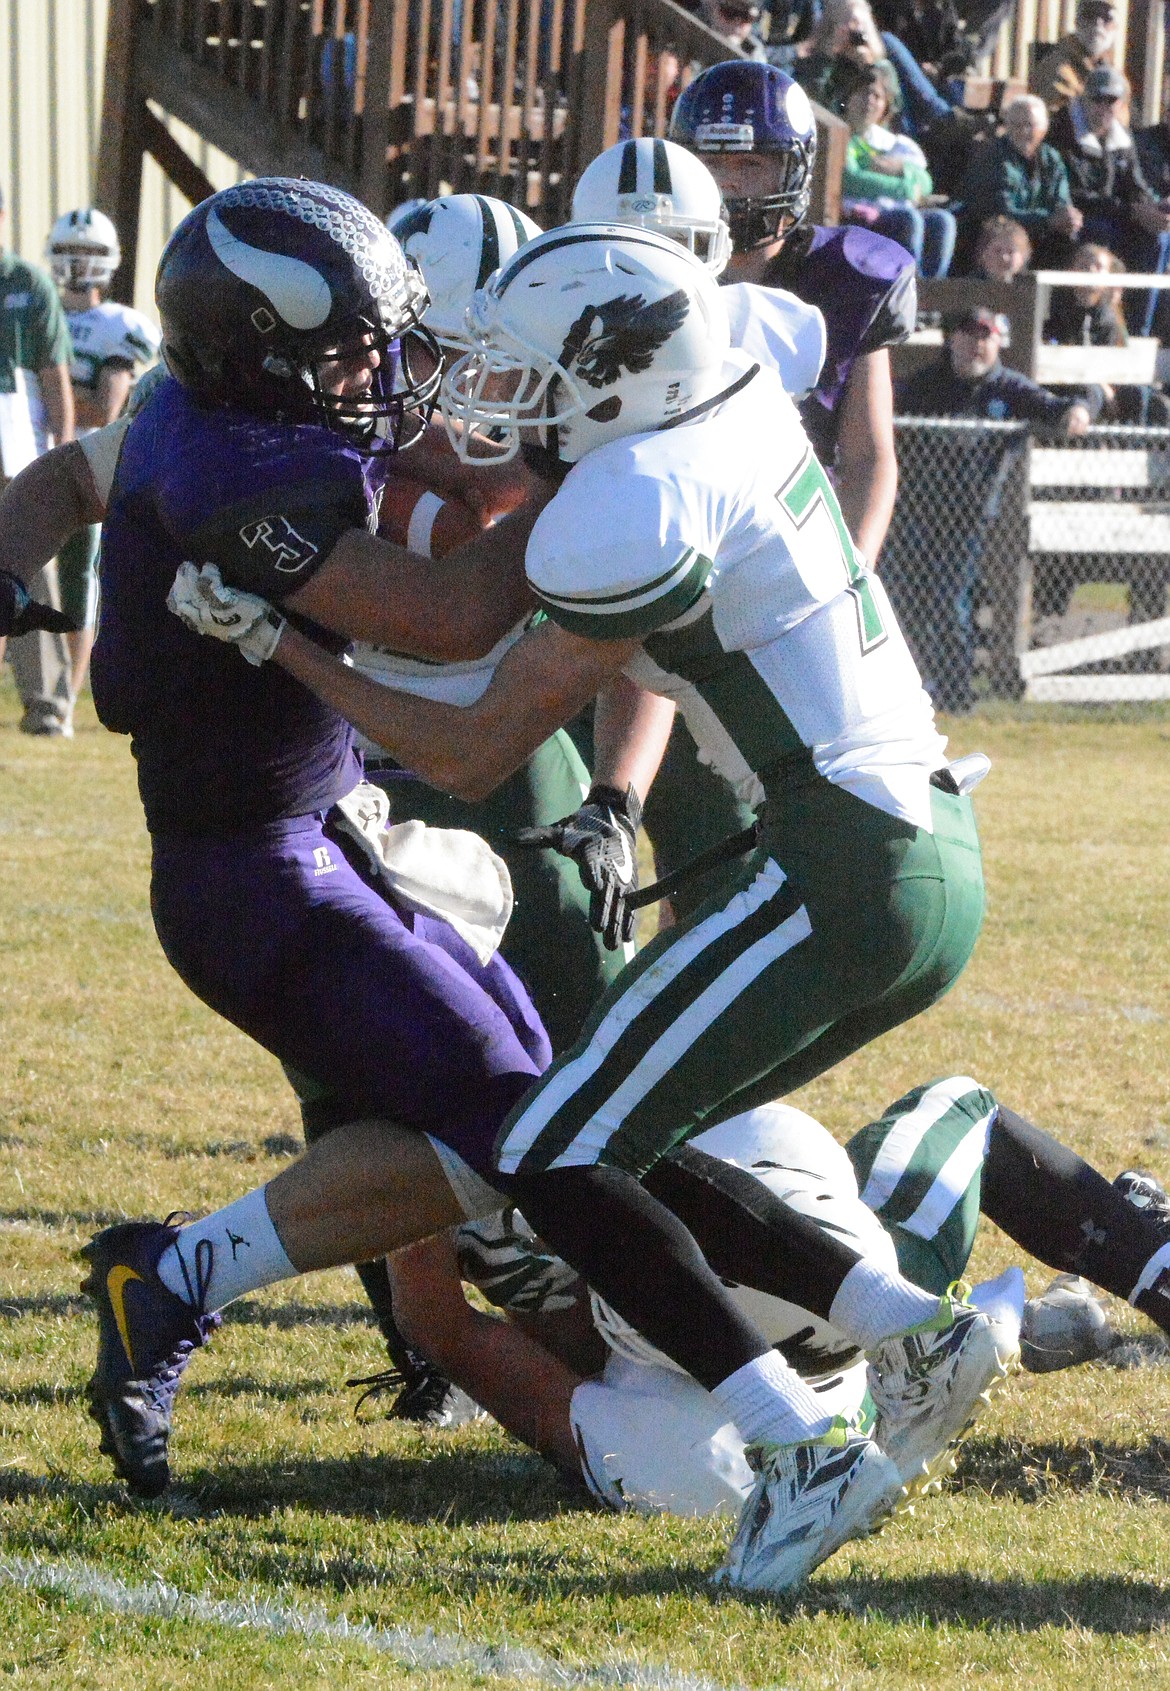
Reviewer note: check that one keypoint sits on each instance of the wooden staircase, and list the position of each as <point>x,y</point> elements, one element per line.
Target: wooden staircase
<point>394,99</point>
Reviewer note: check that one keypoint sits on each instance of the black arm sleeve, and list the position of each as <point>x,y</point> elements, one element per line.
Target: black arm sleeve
<point>274,543</point>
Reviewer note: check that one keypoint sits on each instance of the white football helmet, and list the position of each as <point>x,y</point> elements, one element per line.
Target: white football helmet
<point>591,332</point>
<point>83,250</point>
<point>798,1160</point>
<point>657,185</point>
<point>457,241</point>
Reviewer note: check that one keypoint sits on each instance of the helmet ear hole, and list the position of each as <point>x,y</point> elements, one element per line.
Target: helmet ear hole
<point>606,410</point>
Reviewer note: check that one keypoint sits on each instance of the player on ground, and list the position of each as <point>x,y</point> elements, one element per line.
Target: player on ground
<point>645,1436</point>
<point>696,546</point>
<point>110,342</point>
<point>568,1376</point>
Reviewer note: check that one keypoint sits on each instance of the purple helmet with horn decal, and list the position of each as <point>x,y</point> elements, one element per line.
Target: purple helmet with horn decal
<point>265,283</point>
<point>741,106</point>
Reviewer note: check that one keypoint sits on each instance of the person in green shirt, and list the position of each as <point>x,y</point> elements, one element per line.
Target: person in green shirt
<point>1019,175</point>
<point>886,182</point>
<point>34,340</point>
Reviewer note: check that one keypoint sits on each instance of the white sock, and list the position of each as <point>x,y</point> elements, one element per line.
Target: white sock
<point>768,1400</point>
<point>873,1304</point>
<point>1151,1273</point>
<point>246,1254</point>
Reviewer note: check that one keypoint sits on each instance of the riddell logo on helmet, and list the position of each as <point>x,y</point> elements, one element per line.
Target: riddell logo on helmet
<point>725,137</point>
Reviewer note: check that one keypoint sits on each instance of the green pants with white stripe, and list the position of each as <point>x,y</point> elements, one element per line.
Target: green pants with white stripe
<point>845,922</point>
<point>920,1169</point>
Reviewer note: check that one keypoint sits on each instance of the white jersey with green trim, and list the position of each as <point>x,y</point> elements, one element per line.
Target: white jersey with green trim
<point>721,543</point>
<point>109,333</point>
<point>779,331</point>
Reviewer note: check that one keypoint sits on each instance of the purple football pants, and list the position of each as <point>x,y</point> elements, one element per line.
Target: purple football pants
<point>394,1013</point>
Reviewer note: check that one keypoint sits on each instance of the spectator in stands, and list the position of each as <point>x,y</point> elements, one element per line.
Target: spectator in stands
<point>1153,151</point>
<point>847,39</point>
<point>1002,249</point>
<point>969,381</point>
<point>789,23</point>
<point>735,21</point>
<point>1019,175</point>
<point>886,180</point>
<point>1108,187</point>
<point>1061,74</point>
<point>931,568</point>
<point>1093,317</point>
<point>930,29</point>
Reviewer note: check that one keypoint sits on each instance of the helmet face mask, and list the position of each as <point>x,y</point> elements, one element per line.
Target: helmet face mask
<point>746,107</point>
<point>266,288</point>
<point>83,251</point>
<point>657,185</point>
<point>592,332</point>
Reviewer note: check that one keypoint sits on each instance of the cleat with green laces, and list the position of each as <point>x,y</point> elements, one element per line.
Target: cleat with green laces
<point>808,1500</point>
<point>928,1384</point>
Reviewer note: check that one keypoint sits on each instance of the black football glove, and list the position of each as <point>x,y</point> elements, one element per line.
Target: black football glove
<point>602,839</point>
<point>19,614</point>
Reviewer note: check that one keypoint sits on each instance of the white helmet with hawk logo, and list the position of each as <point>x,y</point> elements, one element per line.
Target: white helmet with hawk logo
<point>458,241</point>
<point>657,185</point>
<point>589,333</point>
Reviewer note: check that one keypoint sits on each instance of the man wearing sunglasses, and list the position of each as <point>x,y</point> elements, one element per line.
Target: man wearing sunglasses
<point>1061,74</point>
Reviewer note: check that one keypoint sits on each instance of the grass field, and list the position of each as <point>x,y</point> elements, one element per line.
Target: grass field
<point>302,1549</point>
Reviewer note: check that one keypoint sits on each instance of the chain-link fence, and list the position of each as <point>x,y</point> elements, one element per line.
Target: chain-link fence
<point>1020,568</point>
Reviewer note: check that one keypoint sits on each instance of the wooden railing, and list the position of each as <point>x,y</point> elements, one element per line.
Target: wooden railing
<point>395,99</point>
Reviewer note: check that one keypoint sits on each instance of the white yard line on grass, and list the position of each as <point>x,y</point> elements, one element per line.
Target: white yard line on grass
<point>86,1584</point>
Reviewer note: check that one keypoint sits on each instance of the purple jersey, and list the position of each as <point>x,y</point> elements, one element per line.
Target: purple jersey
<point>222,746</point>
<point>864,286</point>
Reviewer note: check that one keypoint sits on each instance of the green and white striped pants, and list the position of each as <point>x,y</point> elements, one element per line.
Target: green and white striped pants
<point>920,1169</point>
<point>844,923</point>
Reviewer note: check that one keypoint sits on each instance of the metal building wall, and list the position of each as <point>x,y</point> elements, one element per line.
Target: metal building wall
<point>51,59</point>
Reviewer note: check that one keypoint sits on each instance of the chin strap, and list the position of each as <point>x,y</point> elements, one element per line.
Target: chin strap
<point>709,404</point>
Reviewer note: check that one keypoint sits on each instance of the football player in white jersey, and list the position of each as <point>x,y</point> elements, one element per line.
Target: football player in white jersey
<point>110,343</point>
<point>660,185</point>
<point>694,544</point>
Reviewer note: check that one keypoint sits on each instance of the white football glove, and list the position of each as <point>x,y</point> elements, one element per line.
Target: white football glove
<point>247,622</point>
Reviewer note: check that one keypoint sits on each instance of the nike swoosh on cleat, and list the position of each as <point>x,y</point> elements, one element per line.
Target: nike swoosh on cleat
<point>116,1281</point>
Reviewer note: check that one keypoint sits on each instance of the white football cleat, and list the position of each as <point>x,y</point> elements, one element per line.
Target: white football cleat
<point>808,1500</point>
<point>927,1385</point>
<point>1066,1325</point>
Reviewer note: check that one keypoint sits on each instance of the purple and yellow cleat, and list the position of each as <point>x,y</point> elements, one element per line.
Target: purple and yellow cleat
<point>146,1336</point>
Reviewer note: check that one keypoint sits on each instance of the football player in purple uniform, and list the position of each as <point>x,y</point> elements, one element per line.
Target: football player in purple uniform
<point>754,128</point>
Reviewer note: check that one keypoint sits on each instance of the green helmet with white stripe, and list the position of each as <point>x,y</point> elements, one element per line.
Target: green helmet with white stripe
<point>591,332</point>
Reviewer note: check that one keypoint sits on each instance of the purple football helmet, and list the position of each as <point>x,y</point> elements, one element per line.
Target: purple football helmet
<point>265,283</point>
<point>742,106</point>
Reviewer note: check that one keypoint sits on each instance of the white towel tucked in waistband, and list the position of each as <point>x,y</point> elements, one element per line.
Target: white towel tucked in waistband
<point>449,872</point>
